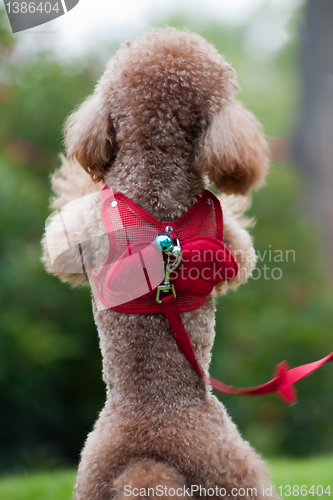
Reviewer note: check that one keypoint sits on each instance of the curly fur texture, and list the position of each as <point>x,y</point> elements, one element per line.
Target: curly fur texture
<point>162,121</point>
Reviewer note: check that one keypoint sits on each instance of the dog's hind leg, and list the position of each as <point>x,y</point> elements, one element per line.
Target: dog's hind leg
<point>111,469</point>
<point>149,479</point>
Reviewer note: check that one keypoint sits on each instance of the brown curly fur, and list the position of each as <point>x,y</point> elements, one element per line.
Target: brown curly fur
<point>162,117</point>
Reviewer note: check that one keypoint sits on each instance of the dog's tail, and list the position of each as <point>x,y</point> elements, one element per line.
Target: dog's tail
<point>70,182</point>
<point>149,479</point>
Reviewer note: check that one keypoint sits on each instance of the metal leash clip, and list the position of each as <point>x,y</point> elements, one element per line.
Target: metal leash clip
<point>164,241</point>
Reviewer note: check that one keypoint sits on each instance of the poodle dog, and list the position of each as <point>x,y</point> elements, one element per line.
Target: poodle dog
<point>162,124</point>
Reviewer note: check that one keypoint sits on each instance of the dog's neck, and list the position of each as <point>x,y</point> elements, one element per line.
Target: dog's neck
<point>163,185</point>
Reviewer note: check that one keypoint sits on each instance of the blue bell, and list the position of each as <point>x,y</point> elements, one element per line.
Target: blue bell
<point>164,242</point>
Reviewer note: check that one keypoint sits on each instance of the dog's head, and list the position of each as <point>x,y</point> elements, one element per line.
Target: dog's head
<point>172,92</point>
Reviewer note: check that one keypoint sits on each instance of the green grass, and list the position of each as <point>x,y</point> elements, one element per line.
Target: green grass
<point>308,472</point>
<point>41,486</point>
<point>59,485</point>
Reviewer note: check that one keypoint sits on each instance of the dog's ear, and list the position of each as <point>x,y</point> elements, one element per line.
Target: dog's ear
<point>90,136</point>
<point>234,151</point>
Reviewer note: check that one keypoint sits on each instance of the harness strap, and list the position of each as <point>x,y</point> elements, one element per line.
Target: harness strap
<point>183,341</point>
<point>282,383</point>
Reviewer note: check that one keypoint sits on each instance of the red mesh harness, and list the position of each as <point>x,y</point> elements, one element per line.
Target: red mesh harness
<point>201,225</point>
<point>130,277</point>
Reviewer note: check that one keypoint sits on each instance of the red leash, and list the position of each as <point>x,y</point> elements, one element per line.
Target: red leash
<point>200,230</point>
<point>282,383</point>
<point>183,341</point>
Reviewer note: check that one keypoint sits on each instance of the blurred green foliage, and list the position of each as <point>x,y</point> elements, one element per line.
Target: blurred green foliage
<point>50,366</point>
<point>51,388</point>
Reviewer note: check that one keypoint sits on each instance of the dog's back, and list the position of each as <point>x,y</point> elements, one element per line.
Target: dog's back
<point>162,123</point>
